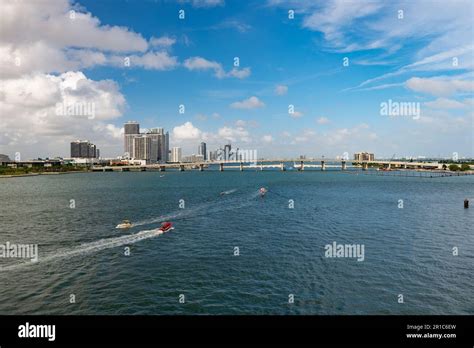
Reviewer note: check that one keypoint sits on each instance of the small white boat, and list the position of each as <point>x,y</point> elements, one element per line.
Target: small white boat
<point>124,224</point>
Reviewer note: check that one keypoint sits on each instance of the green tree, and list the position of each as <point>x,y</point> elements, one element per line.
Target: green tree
<point>465,166</point>
<point>454,167</point>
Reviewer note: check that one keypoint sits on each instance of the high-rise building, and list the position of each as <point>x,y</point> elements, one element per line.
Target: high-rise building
<point>202,150</point>
<point>84,149</point>
<point>176,154</point>
<point>131,130</point>
<point>227,152</point>
<point>142,148</point>
<point>157,138</point>
<point>364,156</point>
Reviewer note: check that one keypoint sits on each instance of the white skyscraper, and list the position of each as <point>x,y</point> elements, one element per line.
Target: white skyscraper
<point>176,154</point>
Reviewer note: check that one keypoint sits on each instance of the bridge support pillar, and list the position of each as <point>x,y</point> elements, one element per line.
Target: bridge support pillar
<point>302,166</point>
<point>241,167</point>
<point>201,167</point>
<point>162,168</point>
<point>221,167</point>
<point>343,165</point>
<point>323,165</point>
<point>365,166</point>
<point>389,166</point>
<point>282,167</point>
<point>181,167</point>
<point>261,167</point>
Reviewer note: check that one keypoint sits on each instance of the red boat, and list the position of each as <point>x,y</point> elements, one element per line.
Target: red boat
<point>166,226</point>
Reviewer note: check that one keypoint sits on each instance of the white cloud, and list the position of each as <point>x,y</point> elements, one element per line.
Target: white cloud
<point>31,122</point>
<point>445,103</point>
<point>281,89</point>
<point>322,120</point>
<point>164,41</point>
<point>204,3</point>
<point>250,103</point>
<point>267,138</point>
<point>239,73</point>
<point>440,86</point>
<point>152,61</point>
<point>199,63</point>
<point>238,134</point>
<point>186,132</point>
<point>296,114</point>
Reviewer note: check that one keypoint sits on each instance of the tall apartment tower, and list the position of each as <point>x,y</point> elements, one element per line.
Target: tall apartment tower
<point>84,149</point>
<point>202,151</point>
<point>131,130</point>
<point>142,148</point>
<point>176,154</point>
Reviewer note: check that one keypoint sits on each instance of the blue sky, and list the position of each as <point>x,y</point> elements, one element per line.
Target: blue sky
<point>423,54</point>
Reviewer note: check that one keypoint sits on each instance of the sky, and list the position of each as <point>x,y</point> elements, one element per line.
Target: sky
<point>285,78</point>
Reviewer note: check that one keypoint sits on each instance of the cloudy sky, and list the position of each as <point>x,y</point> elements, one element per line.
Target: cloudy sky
<point>282,77</point>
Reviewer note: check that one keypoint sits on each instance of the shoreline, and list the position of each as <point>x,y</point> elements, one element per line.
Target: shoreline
<point>36,174</point>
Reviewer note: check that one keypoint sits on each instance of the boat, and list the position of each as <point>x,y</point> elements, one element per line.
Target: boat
<point>125,224</point>
<point>166,226</point>
<point>262,191</point>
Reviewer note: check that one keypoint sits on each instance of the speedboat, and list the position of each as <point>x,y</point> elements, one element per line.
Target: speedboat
<point>262,191</point>
<point>125,224</point>
<point>166,226</point>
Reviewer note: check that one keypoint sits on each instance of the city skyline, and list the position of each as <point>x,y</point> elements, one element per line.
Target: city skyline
<point>328,78</point>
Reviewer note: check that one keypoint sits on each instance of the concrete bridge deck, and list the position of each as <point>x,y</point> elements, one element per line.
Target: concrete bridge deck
<point>299,164</point>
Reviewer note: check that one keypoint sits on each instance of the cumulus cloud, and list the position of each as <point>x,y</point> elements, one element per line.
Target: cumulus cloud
<point>48,109</point>
<point>250,103</point>
<point>237,134</point>
<point>186,131</point>
<point>164,41</point>
<point>281,89</point>
<point>440,86</point>
<point>296,114</point>
<point>199,63</point>
<point>445,103</point>
<point>322,120</point>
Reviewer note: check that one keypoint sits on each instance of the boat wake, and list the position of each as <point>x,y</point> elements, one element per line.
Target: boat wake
<point>88,248</point>
<point>228,192</point>
<point>107,243</point>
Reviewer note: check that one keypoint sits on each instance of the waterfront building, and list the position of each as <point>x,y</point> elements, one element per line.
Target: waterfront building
<point>193,158</point>
<point>227,152</point>
<point>159,142</point>
<point>176,154</point>
<point>202,150</point>
<point>131,130</point>
<point>364,156</point>
<point>142,148</point>
<point>83,149</point>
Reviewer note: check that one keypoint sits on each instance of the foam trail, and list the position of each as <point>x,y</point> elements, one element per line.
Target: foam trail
<point>228,192</point>
<point>87,248</point>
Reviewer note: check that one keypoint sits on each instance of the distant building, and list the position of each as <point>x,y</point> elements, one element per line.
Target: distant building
<point>364,156</point>
<point>227,152</point>
<point>83,149</point>
<point>159,143</point>
<point>131,130</point>
<point>193,158</point>
<point>142,148</point>
<point>175,154</point>
<point>202,150</point>
<point>4,159</point>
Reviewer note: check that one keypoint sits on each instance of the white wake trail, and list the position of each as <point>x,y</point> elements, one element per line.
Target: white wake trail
<point>88,248</point>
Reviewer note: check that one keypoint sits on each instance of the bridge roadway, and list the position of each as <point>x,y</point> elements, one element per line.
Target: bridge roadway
<point>299,164</point>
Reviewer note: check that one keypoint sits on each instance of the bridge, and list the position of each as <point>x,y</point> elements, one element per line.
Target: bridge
<point>299,164</point>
